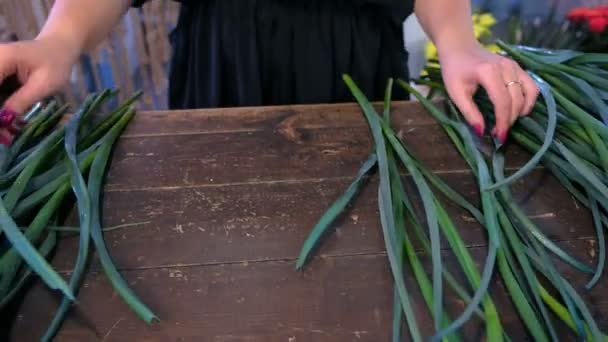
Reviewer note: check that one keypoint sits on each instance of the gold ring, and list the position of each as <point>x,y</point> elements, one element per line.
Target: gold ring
<point>514,82</point>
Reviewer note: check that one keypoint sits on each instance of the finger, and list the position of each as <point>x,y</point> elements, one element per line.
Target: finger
<point>6,137</point>
<point>531,92</point>
<point>35,88</point>
<point>8,64</point>
<point>510,73</point>
<point>491,79</point>
<point>463,99</point>
<point>517,101</point>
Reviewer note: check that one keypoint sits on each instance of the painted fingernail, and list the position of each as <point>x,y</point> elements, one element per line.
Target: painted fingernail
<point>4,140</point>
<point>478,128</point>
<point>502,137</point>
<point>13,129</point>
<point>7,117</point>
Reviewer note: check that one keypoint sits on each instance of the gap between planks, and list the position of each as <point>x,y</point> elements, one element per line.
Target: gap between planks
<point>292,259</point>
<point>114,187</point>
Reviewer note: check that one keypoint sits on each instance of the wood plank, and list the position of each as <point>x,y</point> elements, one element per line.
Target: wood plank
<point>270,221</point>
<point>249,119</point>
<point>334,299</point>
<point>268,155</point>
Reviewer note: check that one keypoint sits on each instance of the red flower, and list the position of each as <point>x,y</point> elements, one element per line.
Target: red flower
<point>578,14</point>
<point>602,10</point>
<point>598,24</point>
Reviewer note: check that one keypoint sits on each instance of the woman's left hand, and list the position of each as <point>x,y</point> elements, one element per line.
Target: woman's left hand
<point>511,90</point>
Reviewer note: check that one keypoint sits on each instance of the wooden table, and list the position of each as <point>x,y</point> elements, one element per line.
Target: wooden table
<point>225,199</point>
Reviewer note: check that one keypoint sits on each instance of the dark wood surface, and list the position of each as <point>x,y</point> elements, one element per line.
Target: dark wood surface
<point>224,199</point>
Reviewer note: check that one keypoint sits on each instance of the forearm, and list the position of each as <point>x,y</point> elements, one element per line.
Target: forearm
<point>82,24</point>
<point>447,23</point>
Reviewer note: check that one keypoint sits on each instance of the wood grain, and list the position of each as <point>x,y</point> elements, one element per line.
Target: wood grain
<point>270,221</point>
<point>268,145</point>
<point>334,299</point>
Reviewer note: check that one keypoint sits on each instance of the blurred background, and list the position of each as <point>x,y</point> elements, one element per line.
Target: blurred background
<point>136,55</point>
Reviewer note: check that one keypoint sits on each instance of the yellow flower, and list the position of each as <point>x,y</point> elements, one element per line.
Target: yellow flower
<point>480,31</point>
<point>475,18</point>
<point>493,48</point>
<point>430,51</point>
<point>486,20</point>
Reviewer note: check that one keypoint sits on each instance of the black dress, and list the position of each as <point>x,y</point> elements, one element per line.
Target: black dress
<point>271,52</point>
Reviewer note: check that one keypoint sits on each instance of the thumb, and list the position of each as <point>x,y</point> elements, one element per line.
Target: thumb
<point>463,99</point>
<point>34,89</point>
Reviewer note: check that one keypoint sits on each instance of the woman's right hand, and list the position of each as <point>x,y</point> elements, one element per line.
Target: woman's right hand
<point>42,66</point>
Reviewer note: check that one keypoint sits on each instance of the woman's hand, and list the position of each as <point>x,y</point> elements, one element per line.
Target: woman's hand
<point>512,92</point>
<point>42,67</point>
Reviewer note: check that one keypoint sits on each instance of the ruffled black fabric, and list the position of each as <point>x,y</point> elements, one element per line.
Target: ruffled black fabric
<point>271,52</point>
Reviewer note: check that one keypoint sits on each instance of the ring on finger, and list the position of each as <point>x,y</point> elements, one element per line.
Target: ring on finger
<point>510,83</point>
<point>518,82</point>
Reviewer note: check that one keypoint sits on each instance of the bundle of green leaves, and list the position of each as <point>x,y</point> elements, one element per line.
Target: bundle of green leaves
<point>567,133</point>
<point>48,162</point>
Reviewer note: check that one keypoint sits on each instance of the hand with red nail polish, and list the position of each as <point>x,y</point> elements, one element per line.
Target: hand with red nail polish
<point>41,67</point>
<point>510,89</point>
<point>478,128</point>
<point>10,126</point>
<point>7,117</point>
<point>43,64</point>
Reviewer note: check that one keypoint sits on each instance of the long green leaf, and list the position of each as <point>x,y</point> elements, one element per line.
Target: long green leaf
<point>94,190</point>
<point>518,251</point>
<point>385,205</point>
<point>45,249</point>
<point>31,255</point>
<point>84,213</point>
<point>601,261</point>
<point>334,211</point>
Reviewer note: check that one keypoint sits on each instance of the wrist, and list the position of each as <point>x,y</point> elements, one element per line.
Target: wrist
<point>67,41</point>
<point>456,47</point>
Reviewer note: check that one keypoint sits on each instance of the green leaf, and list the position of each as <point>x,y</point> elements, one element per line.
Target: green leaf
<point>583,169</point>
<point>334,211</point>
<point>516,245</point>
<point>30,254</point>
<point>601,260</point>
<point>84,213</point>
<point>94,191</point>
<point>494,328</point>
<point>589,58</point>
<point>385,205</point>
<point>45,249</point>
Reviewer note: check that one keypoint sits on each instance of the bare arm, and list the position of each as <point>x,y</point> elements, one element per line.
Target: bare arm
<point>447,22</point>
<point>466,65</point>
<point>82,24</point>
<point>43,65</point>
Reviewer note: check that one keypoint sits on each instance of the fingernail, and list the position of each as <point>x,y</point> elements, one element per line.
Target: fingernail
<point>478,128</point>
<point>13,129</point>
<point>4,140</point>
<point>7,117</point>
<point>502,137</point>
